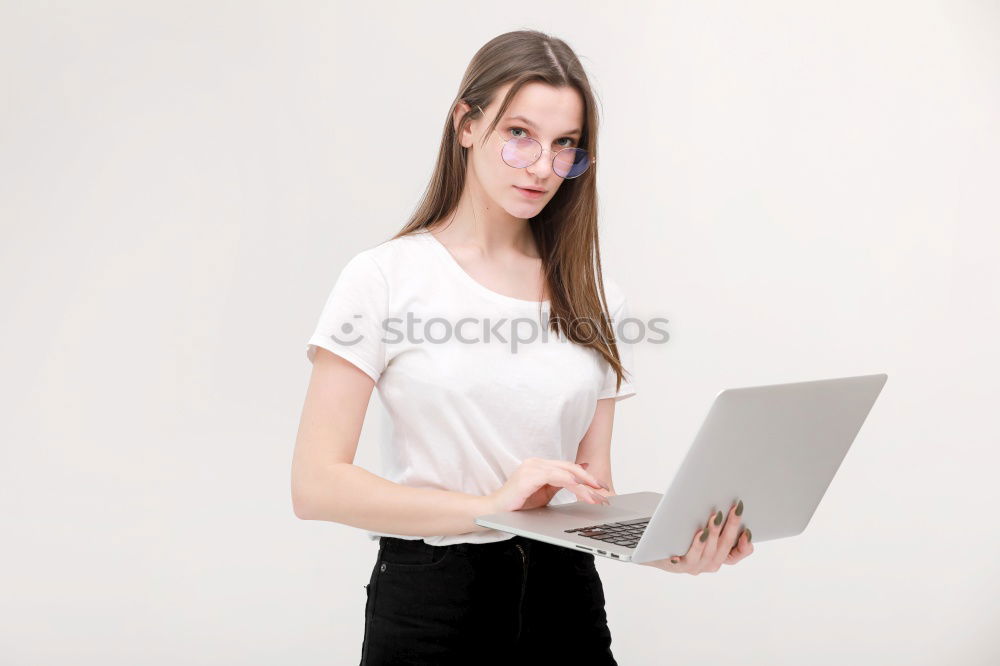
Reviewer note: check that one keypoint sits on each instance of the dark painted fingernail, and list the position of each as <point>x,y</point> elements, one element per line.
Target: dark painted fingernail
<point>748,535</point>
<point>739,508</point>
<point>674,560</point>
<point>704,535</point>
<point>718,518</point>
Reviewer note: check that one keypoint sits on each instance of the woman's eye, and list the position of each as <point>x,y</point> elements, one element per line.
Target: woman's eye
<point>521,129</point>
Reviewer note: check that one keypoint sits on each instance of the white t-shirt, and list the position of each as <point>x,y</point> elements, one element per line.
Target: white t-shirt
<point>472,380</point>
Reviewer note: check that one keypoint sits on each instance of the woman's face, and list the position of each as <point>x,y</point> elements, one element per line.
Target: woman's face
<point>552,116</point>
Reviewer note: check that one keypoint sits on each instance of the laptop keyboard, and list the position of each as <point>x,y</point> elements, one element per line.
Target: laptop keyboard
<point>625,533</point>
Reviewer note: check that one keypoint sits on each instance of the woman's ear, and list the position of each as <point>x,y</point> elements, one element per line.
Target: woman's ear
<point>461,109</point>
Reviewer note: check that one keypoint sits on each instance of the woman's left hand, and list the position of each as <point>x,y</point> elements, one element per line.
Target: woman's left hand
<point>724,543</point>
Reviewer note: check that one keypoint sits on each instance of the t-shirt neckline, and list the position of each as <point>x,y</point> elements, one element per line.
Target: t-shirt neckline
<point>449,259</point>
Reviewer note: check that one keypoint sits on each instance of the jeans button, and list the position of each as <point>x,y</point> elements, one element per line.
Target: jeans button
<point>382,567</point>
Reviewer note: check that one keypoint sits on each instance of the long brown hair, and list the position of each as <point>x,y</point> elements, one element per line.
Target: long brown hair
<point>565,231</point>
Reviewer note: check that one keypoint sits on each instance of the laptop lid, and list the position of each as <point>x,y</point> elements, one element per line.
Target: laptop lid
<point>776,447</point>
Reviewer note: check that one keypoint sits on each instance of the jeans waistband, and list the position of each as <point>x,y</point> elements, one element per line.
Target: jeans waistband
<point>419,545</point>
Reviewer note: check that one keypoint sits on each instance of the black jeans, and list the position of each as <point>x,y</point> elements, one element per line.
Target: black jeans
<point>516,601</point>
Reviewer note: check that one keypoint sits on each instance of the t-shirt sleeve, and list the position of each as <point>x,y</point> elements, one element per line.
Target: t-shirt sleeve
<point>350,324</point>
<point>627,388</point>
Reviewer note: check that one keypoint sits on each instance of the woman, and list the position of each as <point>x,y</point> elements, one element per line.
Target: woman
<point>487,327</point>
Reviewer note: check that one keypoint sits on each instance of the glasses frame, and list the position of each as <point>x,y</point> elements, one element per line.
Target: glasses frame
<point>593,160</point>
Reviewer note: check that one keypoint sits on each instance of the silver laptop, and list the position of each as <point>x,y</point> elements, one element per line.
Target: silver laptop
<point>776,447</point>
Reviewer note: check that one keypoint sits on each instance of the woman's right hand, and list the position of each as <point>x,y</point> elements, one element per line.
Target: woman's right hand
<point>537,480</point>
<point>713,546</point>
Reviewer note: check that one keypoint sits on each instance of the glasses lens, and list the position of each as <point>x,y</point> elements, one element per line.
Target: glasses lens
<point>525,151</point>
<point>521,152</point>
<point>571,162</point>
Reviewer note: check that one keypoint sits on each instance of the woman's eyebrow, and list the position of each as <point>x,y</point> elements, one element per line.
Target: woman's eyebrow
<point>534,126</point>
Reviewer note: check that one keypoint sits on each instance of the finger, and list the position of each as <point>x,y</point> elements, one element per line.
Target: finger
<point>735,555</point>
<point>746,548</point>
<point>561,477</point>
<point>582,475</point>
<point>729,535</point>
<point>537,476</point>
<point>673,564</point>
<point>742,549</point>
<point>604,489</point>
<point>695,550</point>
<point>707,561</point>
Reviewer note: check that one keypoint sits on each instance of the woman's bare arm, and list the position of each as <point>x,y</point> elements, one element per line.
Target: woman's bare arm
<point>326,485</point>
<point>595,447</point>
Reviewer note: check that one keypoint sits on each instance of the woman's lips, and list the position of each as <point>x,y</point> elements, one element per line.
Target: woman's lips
<point>529,194</point>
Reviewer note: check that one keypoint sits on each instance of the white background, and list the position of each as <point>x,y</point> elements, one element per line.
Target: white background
<point>806,190</point>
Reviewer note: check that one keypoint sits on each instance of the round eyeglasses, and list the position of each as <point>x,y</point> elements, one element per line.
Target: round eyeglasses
<point>523,151</point>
